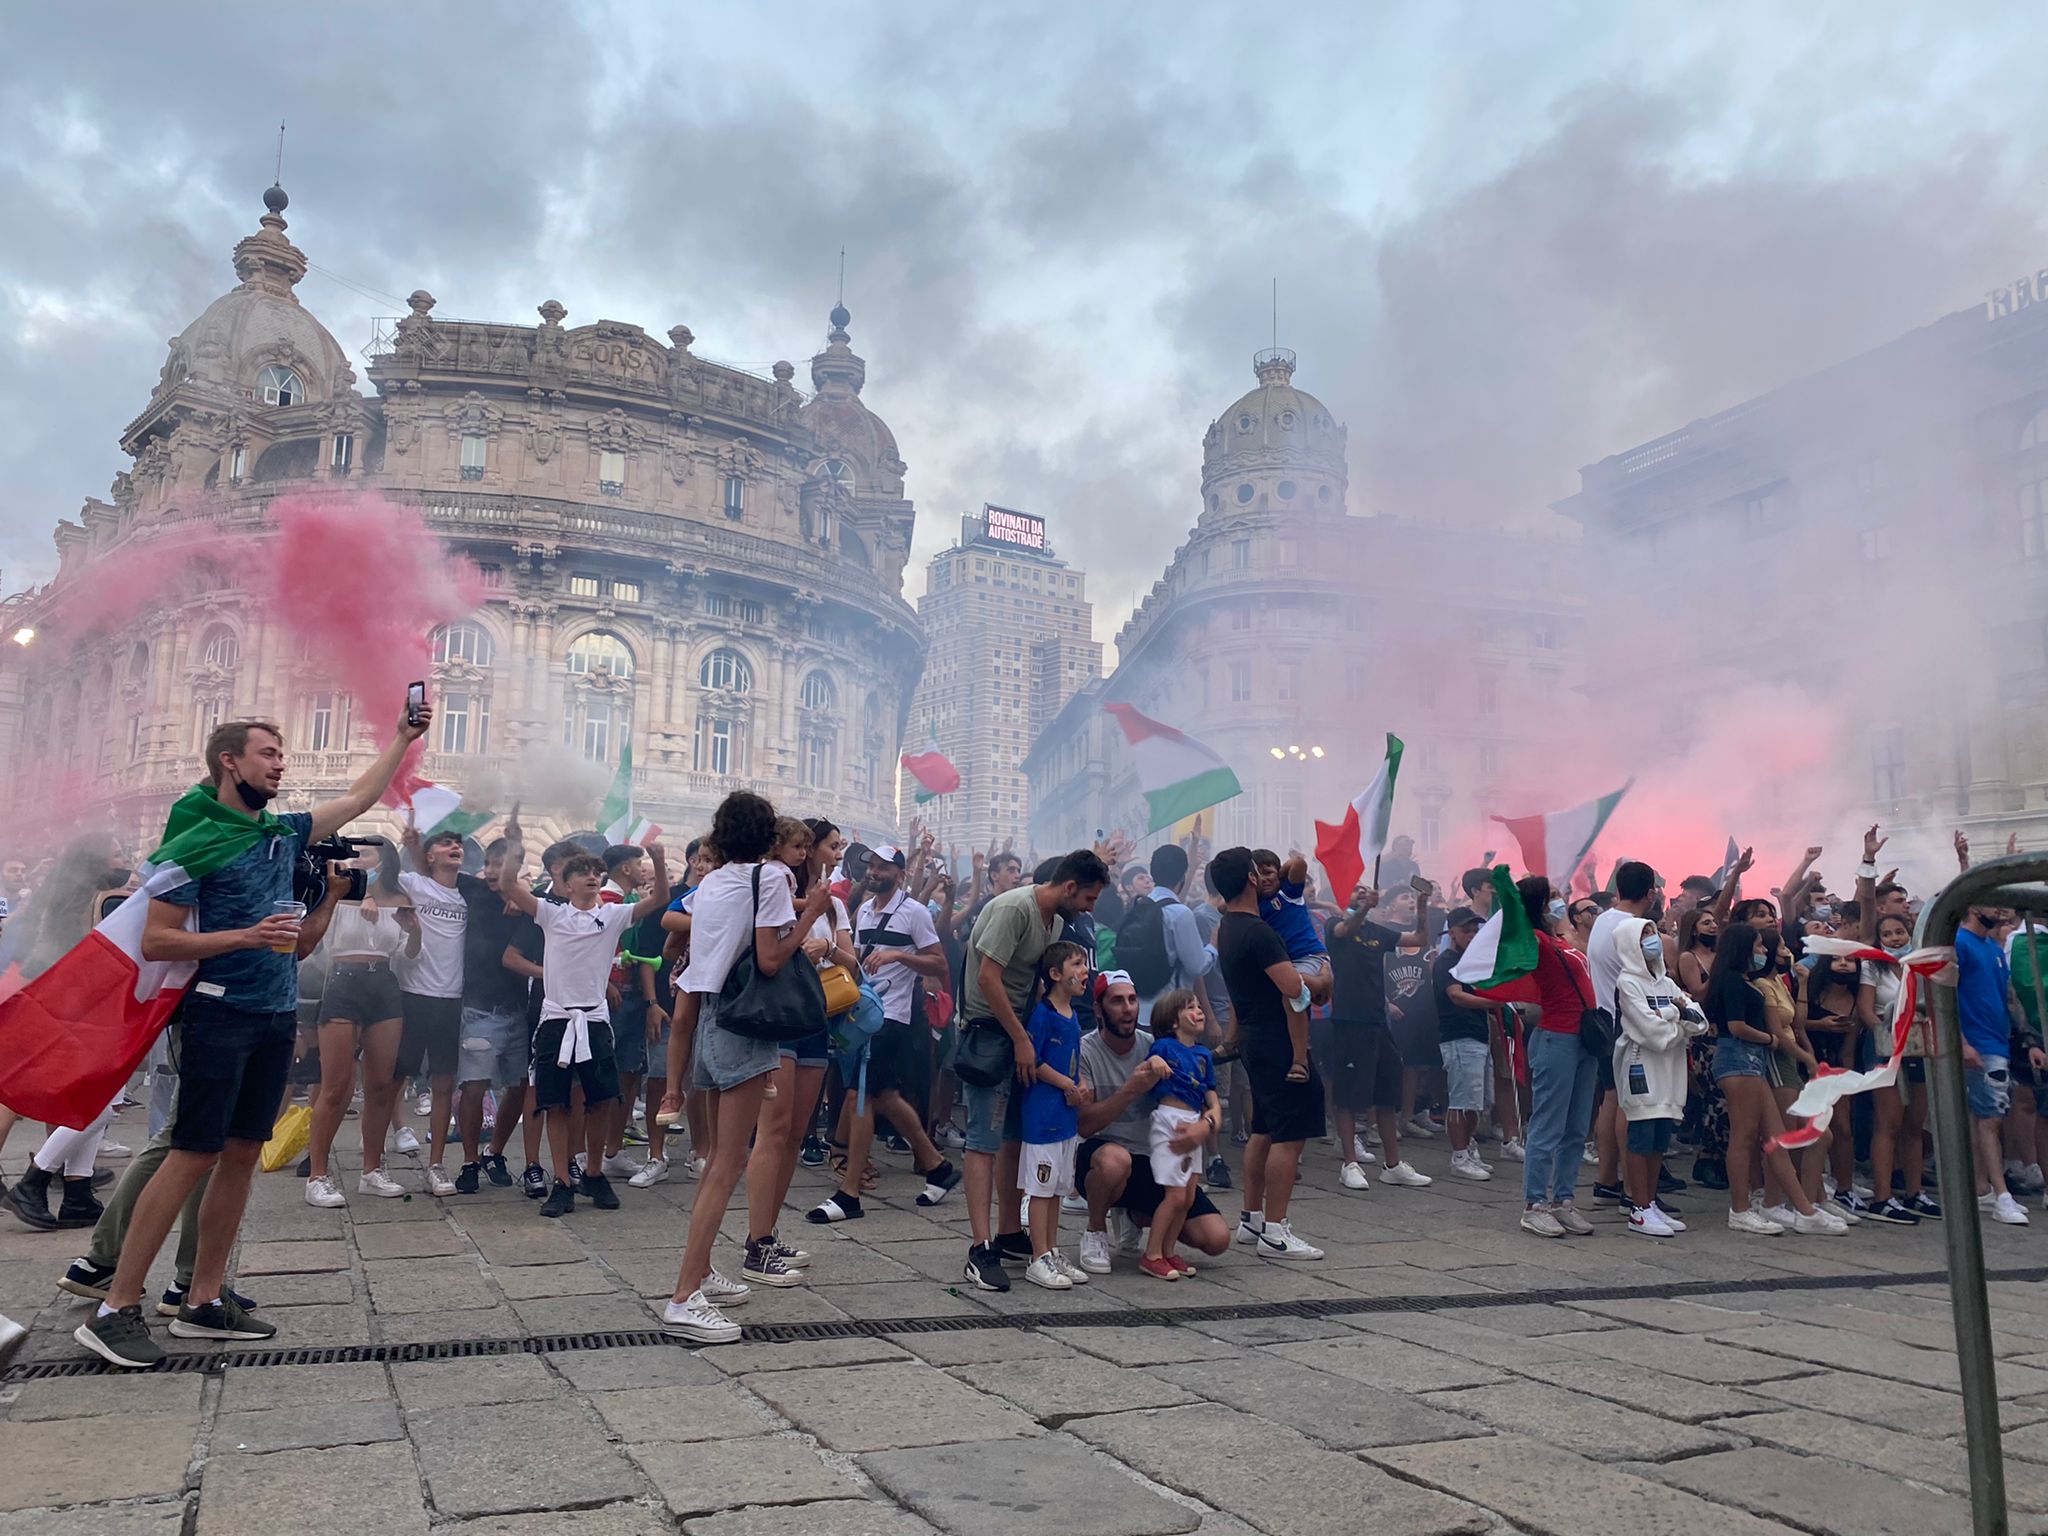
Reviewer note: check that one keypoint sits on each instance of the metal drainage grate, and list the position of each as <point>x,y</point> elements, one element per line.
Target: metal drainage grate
<point>874,1328</point>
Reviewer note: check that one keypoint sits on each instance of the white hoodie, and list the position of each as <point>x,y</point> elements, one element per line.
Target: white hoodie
<point>1656,1020</point>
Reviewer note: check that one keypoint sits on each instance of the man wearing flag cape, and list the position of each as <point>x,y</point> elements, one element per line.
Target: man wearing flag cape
<point>216,912</point>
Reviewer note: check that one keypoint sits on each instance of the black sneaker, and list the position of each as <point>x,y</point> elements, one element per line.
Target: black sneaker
<point>1710,1172</point>
<point>576,1173</point>
<point>87,1279</point>
<point>561,1200</point>
<point>813,1153</point>
<point>305,1168</point>
<point>1925,1206</point>
<point>939,1183</point>
<point>765,1265</point>
<point>597,1189</point>
<point>534,1181</point>
<point>496,1171</point>
<point>173,1301</point>
<point>466,1181</point>
<point>1668,1183</point>
<point>122,1338</point>
<point>1896,1212</point>
<point>1012,1245</point>
<point>223,1319</point>
<point>894,1142</point>
<point>984,1270</point>
<point>29,1200</point>
<point>1608,1194</point>
<point>1219,1173</point>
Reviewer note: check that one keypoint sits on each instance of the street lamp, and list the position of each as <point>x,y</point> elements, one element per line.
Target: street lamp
<point>24,635</point>
<point>1299,754</point>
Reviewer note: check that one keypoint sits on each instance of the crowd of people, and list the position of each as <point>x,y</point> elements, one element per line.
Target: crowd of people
<point>1087,1037</point>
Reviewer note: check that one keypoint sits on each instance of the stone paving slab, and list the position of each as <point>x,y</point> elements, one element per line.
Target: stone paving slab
<point>882,1407</point>
<point>502,1458</point>
<point>405,1240</point>
<point>1456,1336</point>
<point>1696,1359</point>
<point>833,1517</point>
<point>348,1324</point>
<point>1391,1364</point>
<point>644,1415</point>
<point>1823,1497</point>
<point>427,1384</point>
<point>249,1387</point>
<point>493,1322</point>
<point>582,1314</point>
<point>1054,1391</point>
<point>996,1488</point>
<point>427,1285</point>
<point>745,1359</point>
<point>1940,1463</point>
<point>289,1258</point>
<point>985,1346</point>
<point>640,1365</point>
<point>711,1475</point>
<point>85,1396</point>
<point>1332,1410</point>
<point>347,1490</point>
<point>1838,1349</point>
<point>306,1426</point>
<point>1647,1389</point>
<point>69,1461</point>
<point>1670,1316</point>
<point>1592,1428</point>
<point>609,1520</point>
<point>154,1519</point>
<point>1895,1404</point>
<point>1544,1491</point>
<point>530,1282</point>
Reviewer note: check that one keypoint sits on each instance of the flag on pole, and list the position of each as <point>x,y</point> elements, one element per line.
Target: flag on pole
<point>1500,962</point>
<point>70,1038</point>
<point>436,808</point>
<point>1350,849</point>
<point>933,770</point>
<point>1728,862</point>
<point>1557,844</point>
<point>1178,774</point>
<point>615,817</point>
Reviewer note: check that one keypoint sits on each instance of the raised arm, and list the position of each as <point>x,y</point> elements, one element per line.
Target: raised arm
<point>1725,902</point>
<point>1866,887</point>
<point>511,884</point>
<point>656,900</point>
<point>332,815</point>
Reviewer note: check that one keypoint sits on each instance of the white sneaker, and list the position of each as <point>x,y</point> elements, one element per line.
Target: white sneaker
<point>116,1149</point>
<point>1754,1222</point>
<point>1073,1205</point>
<point>1248,1228</point>
<point>1351,1176</point>
<point>619,1163</point>
<point>652,1172</point>
<point>951,1137</point>
<point>1820,1224</point>
<point>1670,1220</point>
<point>1568,1217</point>
<point>1591,1154</point>
<point>1513,1150</point>
<point>2009,1211</point>
<point>1068,1267</point>
<point>1361,1153</point>
<point>1042,1271</point>
<point>1466,1165</point>
<point>1541,1222</point>
<point>405,1141</point>
<point>1372,1136</point>
<point>1648,1221</point>
<point>424,1104</point>
<point>438,1182</point>
<point>695,1167</point>
<point>699,1321</point>
<point>1418,1127</point>
<point>378,1182</point>
<point>723,1292</point>
<point>322,1192</point>
<point>1277,1241</point>
<point>1405,1173</point>
<point>1125,1235</point>
<point>1095,1252</point>
<point>1783,1215</point>
<point>1756,1199</point>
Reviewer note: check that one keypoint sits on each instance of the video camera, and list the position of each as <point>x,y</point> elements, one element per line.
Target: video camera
<point>310,877</point>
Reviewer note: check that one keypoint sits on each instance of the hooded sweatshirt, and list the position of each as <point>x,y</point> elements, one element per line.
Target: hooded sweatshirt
<point>1656,1019</point>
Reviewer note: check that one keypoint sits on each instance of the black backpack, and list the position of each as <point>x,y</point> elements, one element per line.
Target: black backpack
<point>1141,946</point>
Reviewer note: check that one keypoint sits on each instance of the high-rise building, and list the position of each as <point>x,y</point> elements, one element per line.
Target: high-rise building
<point>1008,628</point>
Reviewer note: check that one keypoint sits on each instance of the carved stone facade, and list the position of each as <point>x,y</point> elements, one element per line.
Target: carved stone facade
<point>674,553</point>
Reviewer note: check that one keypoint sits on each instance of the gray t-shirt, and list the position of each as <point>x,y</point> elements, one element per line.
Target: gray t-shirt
<point>1106,1072</point>
<point>1012,932</point>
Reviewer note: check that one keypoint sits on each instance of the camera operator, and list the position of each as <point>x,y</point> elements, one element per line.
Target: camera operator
<point>239,1021</point>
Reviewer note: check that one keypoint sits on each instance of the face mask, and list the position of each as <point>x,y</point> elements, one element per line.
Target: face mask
<point>1707,939</point>
<point>1759,962</point>
<point>1896,950</point>
<point>1653,947</point>
<point>1557,912</point>
<point>253,797</point>
<point>1825,913</point>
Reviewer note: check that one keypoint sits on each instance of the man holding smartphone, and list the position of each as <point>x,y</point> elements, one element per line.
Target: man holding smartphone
<point>239,1022</point>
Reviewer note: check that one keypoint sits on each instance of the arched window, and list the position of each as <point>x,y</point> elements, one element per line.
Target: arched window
<point>727,670</point>
<point>2035,433</point>
<point>818,692</point>
<point>278,385</point>
<point>469,643</point>
<point>138,662</point>
<point>219,648</point>
<point>600,651</point>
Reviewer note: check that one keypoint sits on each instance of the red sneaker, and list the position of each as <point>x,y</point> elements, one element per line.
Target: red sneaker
<point>1159,1269</point>
<point>1186,1269</point>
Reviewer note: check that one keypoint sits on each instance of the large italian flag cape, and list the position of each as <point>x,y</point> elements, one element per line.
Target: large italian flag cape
<point>1178,774</point>
<point>1500,962</point>
<point>1350,848</point>
<point>71,1038</point>
<point>1556,844</point>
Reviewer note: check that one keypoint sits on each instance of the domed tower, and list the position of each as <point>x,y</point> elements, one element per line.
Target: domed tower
<point>254,372</point>
<point>852,499</point>
<point>1277,448</point>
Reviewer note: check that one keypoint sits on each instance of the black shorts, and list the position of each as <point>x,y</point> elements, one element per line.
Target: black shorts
<point>899,1058</point>
<point>361,992</point>
<point>551,1080</point>
<point>1282,1110</point>
<point>432,1038</point>
<point>232,1068</point>
<point>1142,1194</point>
<point>1363,1067</point>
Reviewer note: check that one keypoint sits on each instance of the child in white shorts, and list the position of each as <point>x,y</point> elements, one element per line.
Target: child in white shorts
<point>1185,1097</point>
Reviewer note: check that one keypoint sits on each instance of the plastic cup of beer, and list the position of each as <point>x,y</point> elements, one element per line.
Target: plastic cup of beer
<point>296,911</point>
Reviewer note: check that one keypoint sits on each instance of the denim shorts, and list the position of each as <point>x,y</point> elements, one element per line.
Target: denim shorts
<point>722,1059</point>
<point>496,1047</point>
<point>1740,1058</point>
<point>636,1057</point>
<point>994,1115</point>
<point>1468,1075</point>
<point>1650,1138</point>
<point>811,1051</point>
<point>1989,1087</point>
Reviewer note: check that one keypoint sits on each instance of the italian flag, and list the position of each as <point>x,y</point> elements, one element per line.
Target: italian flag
<point>1178,774</point>
<point>71,1038</point>
<point>1352,847</point>
<point>1500,962</point>
<point>615,817</point>
<point>1557,844</point>
<point>436,808</point>
<point>933,770</point>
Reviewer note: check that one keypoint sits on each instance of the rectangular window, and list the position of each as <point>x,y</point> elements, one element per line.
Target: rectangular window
<point>1355,682</point>
<point>817,761</point>
<point>1287,555</point>
<point>1240,615</point>
<point>583,586</point>
<point>736,497</point>
<point>491,575</point>
<point>344,451</point>
<point>1888,765</point>
<point>320,723</point>
<point>1290,679</point>
<point>1201,561</point>
<point>1874,544</point>
<point>1489,761</point>
<point>626,591</point>
<point>1432,829</point>
<point>134,737</point>
<point>1240,682</point>
<point>611,472</point>
<point>1759,512</point>
<point>718,605</point>
<point>474,447</point>
<point>238,463</point>
<point>1240,554</point>
<point>452,711</point>
<point>1489,693</point>
<point>2033,522</point>
<point>752,612</point>
<point>1544,636</point>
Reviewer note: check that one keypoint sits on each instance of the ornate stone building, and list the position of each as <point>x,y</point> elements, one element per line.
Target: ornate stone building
<point>1291,636</point>
<point>674,552</point>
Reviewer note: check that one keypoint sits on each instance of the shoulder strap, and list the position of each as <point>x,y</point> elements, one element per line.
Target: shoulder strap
<point>1585,998</point>
<point>754,922</point>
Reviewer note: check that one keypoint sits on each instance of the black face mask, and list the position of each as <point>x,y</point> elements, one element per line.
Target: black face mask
<point>1708,939</point>
<point>253,797</point>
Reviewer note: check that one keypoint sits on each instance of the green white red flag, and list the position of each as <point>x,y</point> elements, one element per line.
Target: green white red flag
<point>934,772</point>
<point>615,818</point>
<point>1557,843</point>
<point>1351,848</point>
<point>1500,962</point>
<point>1177,774</point>
<point>436,808</point>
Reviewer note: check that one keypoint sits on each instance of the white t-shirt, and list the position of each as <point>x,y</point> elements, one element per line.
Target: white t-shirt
<point>908,920</point>
<point>444,919</point>
<point>722,917</point>
<point>353,934</point>
<point>576,960</point>
<point>826,926</point>
<point>1605,959</point>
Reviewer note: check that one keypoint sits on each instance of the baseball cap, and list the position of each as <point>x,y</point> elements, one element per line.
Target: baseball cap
<point>1461,917</point>
<point>888,853</point>
<point>1108,979</point>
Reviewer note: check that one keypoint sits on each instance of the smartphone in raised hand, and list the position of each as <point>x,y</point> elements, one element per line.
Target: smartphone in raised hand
<point>415,701</point>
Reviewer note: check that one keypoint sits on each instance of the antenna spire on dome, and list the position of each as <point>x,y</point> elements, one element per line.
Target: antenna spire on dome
<point>840,314</point>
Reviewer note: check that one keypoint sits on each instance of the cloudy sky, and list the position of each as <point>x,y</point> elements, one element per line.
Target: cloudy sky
<point>1509,239</point>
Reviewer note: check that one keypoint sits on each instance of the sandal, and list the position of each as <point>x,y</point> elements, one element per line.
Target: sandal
<point>1298,1073</point>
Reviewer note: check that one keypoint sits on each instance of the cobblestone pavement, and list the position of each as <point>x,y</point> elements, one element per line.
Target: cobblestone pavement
<point>1458,1376</point>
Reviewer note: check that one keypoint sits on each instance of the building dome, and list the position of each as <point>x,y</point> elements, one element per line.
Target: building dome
<point>1277,446</point>
<point>255,340</point>
<point>841,423</point>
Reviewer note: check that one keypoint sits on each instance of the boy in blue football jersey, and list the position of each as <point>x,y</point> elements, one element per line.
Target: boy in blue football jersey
<point>1050,1114</point>
<point>1184,1116</point>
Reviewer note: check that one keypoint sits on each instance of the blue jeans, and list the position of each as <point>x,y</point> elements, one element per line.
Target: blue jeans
<point>1561,1081</point>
